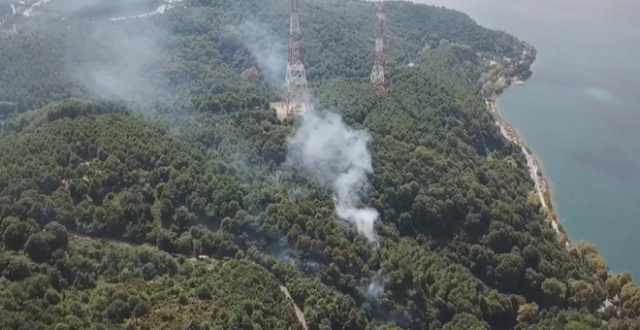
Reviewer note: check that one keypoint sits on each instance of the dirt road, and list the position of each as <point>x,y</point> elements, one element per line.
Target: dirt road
<point>298,311</point>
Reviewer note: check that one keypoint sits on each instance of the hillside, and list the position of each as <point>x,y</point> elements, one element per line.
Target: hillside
<point>192,58</point>
<point>132,147</point>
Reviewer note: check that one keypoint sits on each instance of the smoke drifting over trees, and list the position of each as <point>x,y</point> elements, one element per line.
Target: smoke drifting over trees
<point>464,248</point>
<point>116,61</point>
<point>268,50</point>
<point>375,287</point>
<point>334,155</point>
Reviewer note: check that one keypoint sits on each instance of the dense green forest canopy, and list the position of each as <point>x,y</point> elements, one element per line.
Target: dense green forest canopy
<point>112,189</point>
<point>192,58</point>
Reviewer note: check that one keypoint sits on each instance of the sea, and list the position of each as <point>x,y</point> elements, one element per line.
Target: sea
<point>580,111</point>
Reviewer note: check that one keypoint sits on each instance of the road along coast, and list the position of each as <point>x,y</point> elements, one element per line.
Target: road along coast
<point>542,186</point>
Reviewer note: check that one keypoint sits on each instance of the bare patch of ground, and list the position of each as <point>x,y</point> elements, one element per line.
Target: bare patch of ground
<point>281,110</point>
<point>298,109</point>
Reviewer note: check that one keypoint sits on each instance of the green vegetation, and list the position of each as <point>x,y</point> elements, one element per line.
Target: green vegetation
<point>102,285</point>
<point>104,207</point>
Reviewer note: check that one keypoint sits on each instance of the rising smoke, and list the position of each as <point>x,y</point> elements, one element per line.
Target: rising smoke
<point>104,59</point>
<point>117,59</point>
<point>375,287</point>
<point>268,50</point>
<point>288,256</point>
<point>334,155</point>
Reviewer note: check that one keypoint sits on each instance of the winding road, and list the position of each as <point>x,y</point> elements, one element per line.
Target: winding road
<point>297,310</point>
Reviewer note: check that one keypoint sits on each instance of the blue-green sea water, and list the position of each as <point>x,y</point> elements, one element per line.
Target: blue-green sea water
<point>580,111</point>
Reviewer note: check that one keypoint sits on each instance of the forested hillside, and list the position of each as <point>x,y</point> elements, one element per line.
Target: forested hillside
<point>131,148</point>
<point>192,58</point>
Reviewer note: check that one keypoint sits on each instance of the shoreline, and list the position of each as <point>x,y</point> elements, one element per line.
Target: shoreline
<point>541,183</point>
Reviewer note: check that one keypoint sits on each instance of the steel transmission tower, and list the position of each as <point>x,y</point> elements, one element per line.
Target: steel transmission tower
<point>295,86</point>
<point>379,58</point>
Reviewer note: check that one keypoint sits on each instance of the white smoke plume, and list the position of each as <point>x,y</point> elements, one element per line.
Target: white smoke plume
<point>268,50</point>
<point>288,256</point>
<point>375,287</point>
<point>122,59</point>
<point>334,155</point>
<point>116,60</point>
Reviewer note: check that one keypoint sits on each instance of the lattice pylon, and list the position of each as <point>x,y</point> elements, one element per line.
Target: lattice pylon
<point>378,83</point>
<point>297,100</point>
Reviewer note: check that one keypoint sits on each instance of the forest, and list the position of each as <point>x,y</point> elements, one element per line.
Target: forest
<point>164,197</point>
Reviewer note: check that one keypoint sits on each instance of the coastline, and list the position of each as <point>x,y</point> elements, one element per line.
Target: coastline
<point>541,183</point>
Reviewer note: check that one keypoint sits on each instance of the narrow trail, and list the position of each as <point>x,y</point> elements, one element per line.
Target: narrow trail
<point>296,309</point>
